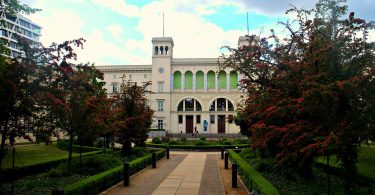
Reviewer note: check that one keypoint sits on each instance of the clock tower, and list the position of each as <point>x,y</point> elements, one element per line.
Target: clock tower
<point>162,54</point>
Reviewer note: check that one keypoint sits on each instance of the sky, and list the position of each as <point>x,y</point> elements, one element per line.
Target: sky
<point>119,32</point>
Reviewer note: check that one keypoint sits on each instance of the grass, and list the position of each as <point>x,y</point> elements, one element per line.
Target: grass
<point>365,165</point>
<point>27,155</point>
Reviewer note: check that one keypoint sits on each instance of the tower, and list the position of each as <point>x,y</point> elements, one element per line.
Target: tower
<point>162,54</point>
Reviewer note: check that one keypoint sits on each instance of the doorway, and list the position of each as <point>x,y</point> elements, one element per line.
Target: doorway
<point>221,123</point>
<point>189,123</point>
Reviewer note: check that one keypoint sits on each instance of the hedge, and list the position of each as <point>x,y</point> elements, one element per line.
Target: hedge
<point>190,147</point>
<point>99,182</point>
<point>251,177</point>
<point>5,174</point>
<point>64,145</point>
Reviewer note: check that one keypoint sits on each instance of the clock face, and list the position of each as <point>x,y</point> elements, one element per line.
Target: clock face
<point>161,69</point>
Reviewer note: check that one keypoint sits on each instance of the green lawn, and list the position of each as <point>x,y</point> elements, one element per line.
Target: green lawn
<point>366,161</point>
<point>34,154</point>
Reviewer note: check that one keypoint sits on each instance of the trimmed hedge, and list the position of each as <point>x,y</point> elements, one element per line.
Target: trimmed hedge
<point>251,177</point>
<point>99,182</point>
<point>64,145</point>
<point>192,147</point>
<point>5,174</point>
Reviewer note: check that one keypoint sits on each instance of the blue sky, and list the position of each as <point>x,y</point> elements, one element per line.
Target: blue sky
<point>120,31</point>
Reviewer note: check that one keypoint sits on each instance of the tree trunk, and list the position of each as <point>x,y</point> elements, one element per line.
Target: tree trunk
<point>70,145</point>
<point>2,148</point>
<point>126,148</point>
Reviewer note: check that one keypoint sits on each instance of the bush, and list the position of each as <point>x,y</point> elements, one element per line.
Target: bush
<point>140,151</point>
<point>251,177</point>
<point>242,141</point>
<point>63,144</point>
<point>200,143</point>
<point>202,139</point>
<point>156,140</point>
<point>183,139</point>
<point>173,142</point>
<point>165,139</point>
<point>226,143</point>
<point>99,182</point>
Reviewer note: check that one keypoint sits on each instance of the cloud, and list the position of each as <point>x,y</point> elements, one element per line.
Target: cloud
<point>119,6</point>
<point>115,30</point>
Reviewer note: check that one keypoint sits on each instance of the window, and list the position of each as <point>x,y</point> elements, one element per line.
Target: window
<point>230,119</point>
<point>212,107</point>
<point>180,106</point>
<point>198,119</point>
<point>212,119</point>
<point>189,104</point>
<point>114,87</point>
<point>160,124</point>
<point>160,105</point>
<point>179,119</point>
<point>114,76</point>
<point>160,86</point>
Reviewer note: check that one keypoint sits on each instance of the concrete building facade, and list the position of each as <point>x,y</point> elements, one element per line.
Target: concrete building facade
<point>188,93</point>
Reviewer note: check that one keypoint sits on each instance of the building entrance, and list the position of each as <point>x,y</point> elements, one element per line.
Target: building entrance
<point>221,123</point>
<point>189,124</point>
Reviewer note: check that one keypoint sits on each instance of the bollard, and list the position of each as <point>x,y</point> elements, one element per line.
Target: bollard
<point>153,160</point>
<point>168,153</point>
<point>226,160</point>
<point>57,191</point>
<point>222,152</point>
<point>126,174</point>
<point>234,175</point>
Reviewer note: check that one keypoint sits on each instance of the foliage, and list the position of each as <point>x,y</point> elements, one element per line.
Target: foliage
<point>202,139</point>
<point>311,92</point>
<point>200,143</point>
<point>64,145</point>
<point>165,139</point>
<point>108,178</point>
<point>183,139</point>
<point>226,143</point>
<point>173,142</point>
<point>156,140</point>
<point>251,177</point>
<point>193,146</point>
<point>133,115</point>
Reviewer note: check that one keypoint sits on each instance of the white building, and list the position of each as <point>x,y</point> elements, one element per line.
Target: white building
<point>188,93</point>
<point>17,24</point>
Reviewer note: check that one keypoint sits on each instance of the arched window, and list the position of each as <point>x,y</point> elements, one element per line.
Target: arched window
<point>233,79</point>
<point>177,80</point>
<point>221,104</point>
<point>188,80</point>
<point>211,80</point>
<point>156,50</point>
<point>161,50</point>
<point>166,50</point>
<point>222,79</point>
<point>199,80</point>
<point>190,105</point>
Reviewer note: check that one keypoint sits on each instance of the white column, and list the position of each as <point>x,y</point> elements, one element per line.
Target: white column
<point>182,82</point>
<point>194,83</point>
<point>217,81</point>
<point>205,82</point>
<point>171,80</point>
<point>228,82</point>
<point>226,105</point>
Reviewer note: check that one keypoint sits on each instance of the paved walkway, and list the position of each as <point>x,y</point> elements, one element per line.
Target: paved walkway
<point>185,173</point>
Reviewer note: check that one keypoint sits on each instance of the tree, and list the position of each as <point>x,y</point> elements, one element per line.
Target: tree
<point>133,116</point>
<point>310,93</point>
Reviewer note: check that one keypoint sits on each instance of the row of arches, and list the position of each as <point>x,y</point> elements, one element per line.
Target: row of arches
<point>219,104</point>
<point>213,81</point>
<point>162,50</point>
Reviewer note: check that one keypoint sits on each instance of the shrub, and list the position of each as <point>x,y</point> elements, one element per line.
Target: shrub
<point>173,142</point>
<point>165,139</point>
<point>200,143</point>
<point>242,141</point>
<point>251,177</point>
<point>156,140</point>
<point>226,143</point>
<point>202,139</point>
<point>183,139</point>
<point>63,144</point>
<point>140,151</point>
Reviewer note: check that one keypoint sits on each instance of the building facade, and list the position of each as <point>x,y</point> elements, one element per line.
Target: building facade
<point>188,93</point>
<point>18,25</point>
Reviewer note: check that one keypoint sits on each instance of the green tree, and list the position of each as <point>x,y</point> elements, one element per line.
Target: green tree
<point>133,116</point>
<point>312,92</point>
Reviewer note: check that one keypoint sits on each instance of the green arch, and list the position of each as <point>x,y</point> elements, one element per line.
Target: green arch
<point>177,80</point>
<point>211,80</point>
<point>199,79</point>
<point>222,80</point>
<point>233,79</point>
<point>188,80</point>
